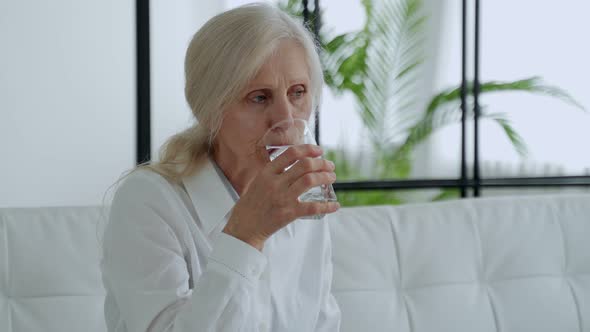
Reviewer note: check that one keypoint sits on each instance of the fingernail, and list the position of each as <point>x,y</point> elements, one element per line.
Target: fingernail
<point>331,163</point>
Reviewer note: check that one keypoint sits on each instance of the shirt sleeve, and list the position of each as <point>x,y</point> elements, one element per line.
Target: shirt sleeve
<point>147,273</point>
<point>329,318</point>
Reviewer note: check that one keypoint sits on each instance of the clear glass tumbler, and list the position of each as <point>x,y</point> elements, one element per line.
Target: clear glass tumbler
<point>294,132</point>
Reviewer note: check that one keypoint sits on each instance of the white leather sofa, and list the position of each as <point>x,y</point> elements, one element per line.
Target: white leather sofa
<point>499,264</point>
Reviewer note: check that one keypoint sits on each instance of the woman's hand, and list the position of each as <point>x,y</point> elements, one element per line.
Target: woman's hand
<point>271,201</point>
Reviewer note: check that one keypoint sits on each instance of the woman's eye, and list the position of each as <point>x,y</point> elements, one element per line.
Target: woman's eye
<point>298,93</point>
<point>259,99</point>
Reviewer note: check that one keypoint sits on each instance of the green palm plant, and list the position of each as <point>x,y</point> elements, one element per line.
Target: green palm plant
<point>381,66</point>
<point>443,109</point>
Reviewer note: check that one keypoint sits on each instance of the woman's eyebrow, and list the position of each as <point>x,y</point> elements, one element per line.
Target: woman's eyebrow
<point>300,80</point>
<point>260,86</point>
<point>267,85</point>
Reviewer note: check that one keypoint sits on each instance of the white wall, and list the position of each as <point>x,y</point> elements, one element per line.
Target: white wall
<point>172,24</point>
<point>67,93</point>
<point>66,99</point>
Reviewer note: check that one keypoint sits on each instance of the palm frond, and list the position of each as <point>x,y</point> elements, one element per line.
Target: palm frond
<point>379,64</point>
<point>448,101</point>
<point>515,139</point>
<point>395,56</point>
<point>419,132</point>
<point>533,85</point>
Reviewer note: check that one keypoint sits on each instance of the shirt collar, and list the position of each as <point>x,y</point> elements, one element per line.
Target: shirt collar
<point>211,193</point>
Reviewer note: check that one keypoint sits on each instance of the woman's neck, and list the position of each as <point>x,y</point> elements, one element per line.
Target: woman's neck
<point>236,171</point>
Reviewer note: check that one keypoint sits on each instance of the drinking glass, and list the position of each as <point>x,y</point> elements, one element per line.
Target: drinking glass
<point>294,132</point>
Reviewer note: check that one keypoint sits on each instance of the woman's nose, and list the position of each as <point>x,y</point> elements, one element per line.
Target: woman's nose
<point>282,112</point>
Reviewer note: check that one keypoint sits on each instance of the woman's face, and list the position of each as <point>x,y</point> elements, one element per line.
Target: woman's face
<point>280,91</point>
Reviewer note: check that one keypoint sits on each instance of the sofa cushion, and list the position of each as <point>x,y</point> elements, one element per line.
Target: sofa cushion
<point>492,264</point>
<point>49,270</point>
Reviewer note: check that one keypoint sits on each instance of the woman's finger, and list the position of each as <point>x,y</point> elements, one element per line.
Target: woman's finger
<point>308,165</point>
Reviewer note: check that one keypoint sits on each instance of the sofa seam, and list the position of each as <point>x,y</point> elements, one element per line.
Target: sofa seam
<point>28,297</point>
<point>6,274</point>
<point>399,269</point>
<point>482,266</point>
<point>4,222</point>
<point>397,252</point>
<point>562,236</point>
<point>410,322</point>
<point>577,304</point>
<point>455,283</point>
<point>493,308</point>
<point>565,266</point>
<point>445,284</point>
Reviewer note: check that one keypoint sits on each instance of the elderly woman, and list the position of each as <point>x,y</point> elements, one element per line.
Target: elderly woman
<point>207,238</point>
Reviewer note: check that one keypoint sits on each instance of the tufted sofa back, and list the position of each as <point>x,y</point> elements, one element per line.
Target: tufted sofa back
<point>500,264</point>
<point>496,264</point>
<point>49,270</point>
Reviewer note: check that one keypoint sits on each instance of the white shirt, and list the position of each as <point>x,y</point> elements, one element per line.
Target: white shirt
<point>168,267</point>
